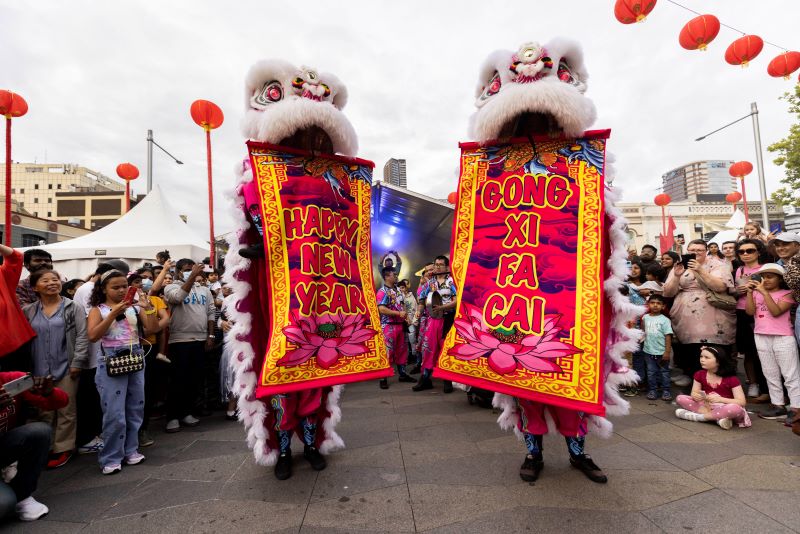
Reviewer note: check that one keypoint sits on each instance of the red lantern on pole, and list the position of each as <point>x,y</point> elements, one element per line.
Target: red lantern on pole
<point>699,32</point>
<point>662,200</point>
<point>11,105</point>
<point>733,198</point>
<point>209,116</point>
<point>128,172</point>
<point>784,65</point>
<point>739,170</point>
<point>452,198</point>
<point>743,50</point>
<point>630,11</point>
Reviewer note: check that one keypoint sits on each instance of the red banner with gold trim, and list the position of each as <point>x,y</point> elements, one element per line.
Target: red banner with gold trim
<point>528,259</point>
<point>324,322</point>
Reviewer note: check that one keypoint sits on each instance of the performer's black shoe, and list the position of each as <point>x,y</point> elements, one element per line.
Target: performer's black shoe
<point>423,384</point>
<point>283,469</point>
<point>448,386</point>
<point>406,378</point>
<point>252,252</point>
<point>585,464</point>
<point>531,467</point>
<point>384,383</point>
<point>414,370</point>
<point>314,457</point>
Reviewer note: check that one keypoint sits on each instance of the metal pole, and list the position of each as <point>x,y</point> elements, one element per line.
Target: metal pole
<point>213,255</point>
<point>762,185</point>
<point>149,160</point>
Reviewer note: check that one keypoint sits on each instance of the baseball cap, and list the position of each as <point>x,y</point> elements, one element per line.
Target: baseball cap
<point>787,237</point>
<point>773,268</point>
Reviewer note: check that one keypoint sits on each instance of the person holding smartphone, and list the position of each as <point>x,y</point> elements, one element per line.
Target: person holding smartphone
<point>694,320</point>
<point>25,444</point>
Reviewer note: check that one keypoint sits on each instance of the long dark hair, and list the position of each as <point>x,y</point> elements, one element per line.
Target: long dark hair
<point>727,365</point>
<point>762,250</point>
<point>641,279</point>
<point>99,291</point>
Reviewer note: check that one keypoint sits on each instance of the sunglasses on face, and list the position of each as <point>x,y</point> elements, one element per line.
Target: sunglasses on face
<point>748,250</point>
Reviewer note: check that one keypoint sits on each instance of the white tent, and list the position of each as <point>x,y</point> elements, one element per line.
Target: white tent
<point>152,225</point>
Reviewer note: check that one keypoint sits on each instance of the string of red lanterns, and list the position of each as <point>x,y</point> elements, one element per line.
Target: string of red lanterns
<point>733,197</point>
<point>128,172</point>
<point>700,31</point>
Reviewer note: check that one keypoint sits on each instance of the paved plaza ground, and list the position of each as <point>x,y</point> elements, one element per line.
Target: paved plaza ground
<point>430,462</point>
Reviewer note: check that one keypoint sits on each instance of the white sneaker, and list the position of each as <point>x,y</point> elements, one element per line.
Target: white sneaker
<point>725,423</point>
<point>173,426</point>
<point>9,472</point>
<point>753,391</point>
<point>681,381</point>
<point>111,469</point>
<point>96,445</point>
<point>190,420</point>
<point>30,509</point>
<point>134,459</point>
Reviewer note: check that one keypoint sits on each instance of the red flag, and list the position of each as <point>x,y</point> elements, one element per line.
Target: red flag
<point>668,241</point>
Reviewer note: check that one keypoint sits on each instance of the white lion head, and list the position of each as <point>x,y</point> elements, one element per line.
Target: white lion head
<point>535,90</point>
<point>290,105</point>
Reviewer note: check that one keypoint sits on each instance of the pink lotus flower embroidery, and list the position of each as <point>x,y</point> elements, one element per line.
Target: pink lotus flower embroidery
<point>328,337</point>
<point>507,351</point>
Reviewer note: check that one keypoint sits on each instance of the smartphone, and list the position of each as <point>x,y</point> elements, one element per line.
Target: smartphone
<point>17,386</point>
<point>755,277</point>
<point>686,258</point>
<point>208,269</point>
<point>130,296</point>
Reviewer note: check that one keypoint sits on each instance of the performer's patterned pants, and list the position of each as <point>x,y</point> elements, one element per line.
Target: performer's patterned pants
<point>570,423</point>
<point>432,342</point>
<point>396,344</point>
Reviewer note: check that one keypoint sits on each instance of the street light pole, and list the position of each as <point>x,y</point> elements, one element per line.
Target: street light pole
<point>150,143</point>
<point>762,185</point>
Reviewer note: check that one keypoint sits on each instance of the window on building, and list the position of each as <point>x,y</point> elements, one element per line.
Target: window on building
<point>31,240</point>
<point>35,200</point>
<point>49,200</point>
<point>49,214</point>
<point>49,186</point>
<point>58,186</point>
<point>36,186</point>
<point>22,191</point>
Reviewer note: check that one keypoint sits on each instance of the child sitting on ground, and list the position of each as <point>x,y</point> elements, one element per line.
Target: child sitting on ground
<point>717,394</point>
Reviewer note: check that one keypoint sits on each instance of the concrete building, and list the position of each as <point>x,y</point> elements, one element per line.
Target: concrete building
<point>90,209</point>
<point>700,181</point>
<point>35,185</point>
<point>394,172</point>
<point>694,220</point>
<point>30,231</point>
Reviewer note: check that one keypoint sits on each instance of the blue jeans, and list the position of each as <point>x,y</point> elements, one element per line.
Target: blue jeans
<point>639,366</point>
<point>122,400</point>
<point>657,372</point>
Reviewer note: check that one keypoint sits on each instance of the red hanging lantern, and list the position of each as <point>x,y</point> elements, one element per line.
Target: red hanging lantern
<point>128,172</point>
<point>733,197</point>
<point>206,114</point>
<point>699,32</point>
<point>452,198</point>
<point>743,50</point>
<point>630,11</point>
<point>662,199</point>
<point>12,105</point>
<point>784,65</point>
<point>740,169</point>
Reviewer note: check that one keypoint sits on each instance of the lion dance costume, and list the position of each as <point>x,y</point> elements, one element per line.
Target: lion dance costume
<point>300,108</point>
<point>536,91</point>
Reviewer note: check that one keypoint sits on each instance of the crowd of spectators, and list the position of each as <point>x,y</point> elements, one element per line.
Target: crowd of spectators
<point>90,363</point>
<point>712,307</point>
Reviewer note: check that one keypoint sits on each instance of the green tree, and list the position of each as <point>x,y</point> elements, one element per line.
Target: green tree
<point>787,152</point>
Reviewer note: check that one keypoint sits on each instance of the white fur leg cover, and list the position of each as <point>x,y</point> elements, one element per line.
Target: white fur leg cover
<point>245,363</point>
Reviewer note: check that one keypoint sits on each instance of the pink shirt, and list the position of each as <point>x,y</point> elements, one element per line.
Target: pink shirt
<point>740,278</point>
<point>766,323</point>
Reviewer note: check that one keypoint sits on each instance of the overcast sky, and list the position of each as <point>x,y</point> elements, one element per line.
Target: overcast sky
<point>97,75</point>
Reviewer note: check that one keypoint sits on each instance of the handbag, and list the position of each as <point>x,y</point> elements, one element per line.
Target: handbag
<point>717,299</point>
<point>123,361</point>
